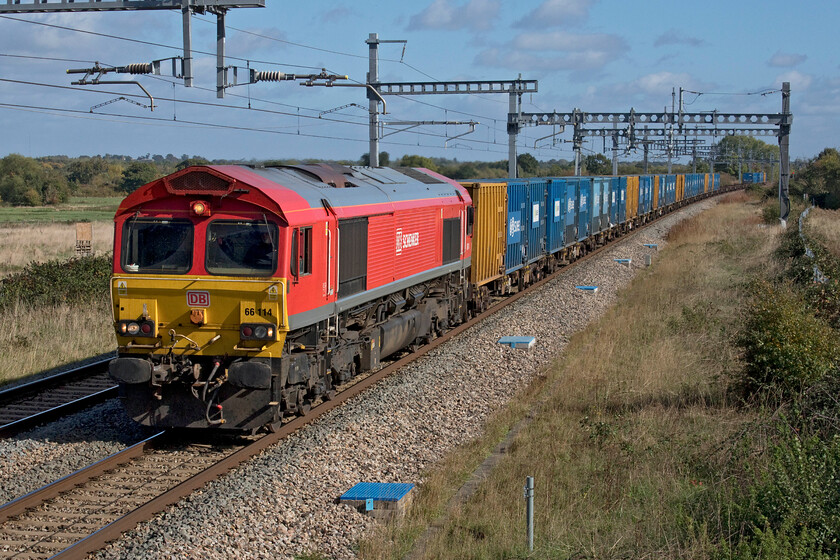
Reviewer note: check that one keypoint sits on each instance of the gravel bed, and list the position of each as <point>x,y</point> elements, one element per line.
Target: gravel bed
<point>44,454</point>
<point>283,503</point>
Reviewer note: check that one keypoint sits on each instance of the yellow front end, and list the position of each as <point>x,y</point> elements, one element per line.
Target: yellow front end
<point>190,313</point>
<point>198,351</point>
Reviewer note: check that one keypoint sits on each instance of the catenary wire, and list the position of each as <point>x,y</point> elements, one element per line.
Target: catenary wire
<point>224,106</point>
<point>78,113</point>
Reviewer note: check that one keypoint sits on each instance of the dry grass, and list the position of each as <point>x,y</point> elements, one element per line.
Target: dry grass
<point>630,421</point>
<point>48,337</point>
<point>43,338</point>
<point>23,243</point>
<point>825,226</point>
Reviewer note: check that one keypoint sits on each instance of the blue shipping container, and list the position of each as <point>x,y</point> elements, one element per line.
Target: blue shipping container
<point>598,206</point>
<point>645,194</point>
<point>556,220</point>
<point>622,199</point>
<point>572,192</point>
<point>515,251</point>
<point>614,199</point>
<point>536,244</point>
<point>584,206</point>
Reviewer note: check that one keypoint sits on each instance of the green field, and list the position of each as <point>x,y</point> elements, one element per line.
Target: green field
<point>77,209</point>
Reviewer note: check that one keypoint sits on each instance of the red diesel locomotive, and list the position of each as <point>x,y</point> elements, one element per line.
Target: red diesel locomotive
<point>243,294</point>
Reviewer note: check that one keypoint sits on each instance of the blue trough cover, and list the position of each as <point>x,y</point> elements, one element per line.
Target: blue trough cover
<point>651,245</point>
<point>378,491</point>
<point>518,341</point>
<point>588,289</point>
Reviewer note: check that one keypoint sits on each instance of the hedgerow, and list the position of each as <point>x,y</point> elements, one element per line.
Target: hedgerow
<point>57,281</point>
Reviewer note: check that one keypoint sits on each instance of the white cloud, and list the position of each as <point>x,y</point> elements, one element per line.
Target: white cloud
<point>444,14</point>
<point>674,37</point>
<point>259,39</point>
<point>556,51</point>
<point>519,60</point>
<point>799,82</point>
<point>552,13</point>
<point>786,60</point>
<point>563,41</point>
<point>660,83</point>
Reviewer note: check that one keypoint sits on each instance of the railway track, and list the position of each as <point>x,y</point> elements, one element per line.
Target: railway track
<point>82,512</point>
<point>46,399</point>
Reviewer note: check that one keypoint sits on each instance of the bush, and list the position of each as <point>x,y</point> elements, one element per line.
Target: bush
<point>57,281</point>
<point>823,297</point>
<point>786,348</point>
<point>26,182</point>
<point>770,213</point>
<point>138,174</point>
<point>793,509</point>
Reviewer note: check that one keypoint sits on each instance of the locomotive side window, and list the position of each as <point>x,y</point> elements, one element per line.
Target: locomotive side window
<point>305,257</point>
<point>241,248</point>
<point>157,245</point>
<point>301,263</point>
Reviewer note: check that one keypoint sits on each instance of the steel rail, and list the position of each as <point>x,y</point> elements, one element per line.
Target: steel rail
<point>113,530</point>
<point>18,395</point>
<point>43,382</point>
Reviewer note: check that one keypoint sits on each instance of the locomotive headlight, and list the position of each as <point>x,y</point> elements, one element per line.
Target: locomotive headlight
<point>136,328</point>
<point>257,331</point>
<point>200,208</point>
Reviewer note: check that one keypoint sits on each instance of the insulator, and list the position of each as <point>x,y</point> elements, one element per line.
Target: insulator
<point>269,76</point>
<point>138,68</point>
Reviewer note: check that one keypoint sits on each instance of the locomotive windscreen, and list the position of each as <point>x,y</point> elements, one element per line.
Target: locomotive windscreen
<point>154,245</point>
<point>241,248</point>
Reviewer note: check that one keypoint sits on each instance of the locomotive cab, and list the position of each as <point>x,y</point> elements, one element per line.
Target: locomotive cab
<point>199,302</point>
<point>242,295</point>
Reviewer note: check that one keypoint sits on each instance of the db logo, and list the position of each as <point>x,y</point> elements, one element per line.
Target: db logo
<point>198,299</point>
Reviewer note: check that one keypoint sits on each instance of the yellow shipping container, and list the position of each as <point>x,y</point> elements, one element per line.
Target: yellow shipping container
<point>632,197</point>
<point>489,233</point>
<point>680,187</point>
<point>655,192</point>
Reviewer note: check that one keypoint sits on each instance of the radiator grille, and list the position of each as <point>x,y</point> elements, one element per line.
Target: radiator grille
<point>199,182</point>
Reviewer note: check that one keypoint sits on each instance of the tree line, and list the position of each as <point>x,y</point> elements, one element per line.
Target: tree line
<point>48,180</point>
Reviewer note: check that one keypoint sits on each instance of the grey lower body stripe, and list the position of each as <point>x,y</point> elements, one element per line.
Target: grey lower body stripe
<point>325,311</point>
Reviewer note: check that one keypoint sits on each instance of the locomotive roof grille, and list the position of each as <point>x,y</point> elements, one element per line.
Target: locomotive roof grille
<point>203,182</point>
<point>419,175</point>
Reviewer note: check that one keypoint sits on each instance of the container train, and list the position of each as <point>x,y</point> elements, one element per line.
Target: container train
<point>754,177</point>
<point>242,295</point>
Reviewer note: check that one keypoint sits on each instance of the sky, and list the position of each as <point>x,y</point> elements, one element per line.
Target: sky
<point>607,55</point>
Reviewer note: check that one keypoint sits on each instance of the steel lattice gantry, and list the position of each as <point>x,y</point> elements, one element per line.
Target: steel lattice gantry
<point>217,7</point>
<point>377,89</point>
<point>636,126</point>
<point>40,6</point>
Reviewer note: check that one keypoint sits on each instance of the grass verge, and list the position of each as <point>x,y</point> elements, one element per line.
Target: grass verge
<point>23,243</point>
<point>49,336</point>
<point>60,313</point>
<point>635,421</point>
<point>824,225</point>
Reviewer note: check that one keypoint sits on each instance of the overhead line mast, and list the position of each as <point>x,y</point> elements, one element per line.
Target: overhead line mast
<point>187,7</point>
<point>376,89</point>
